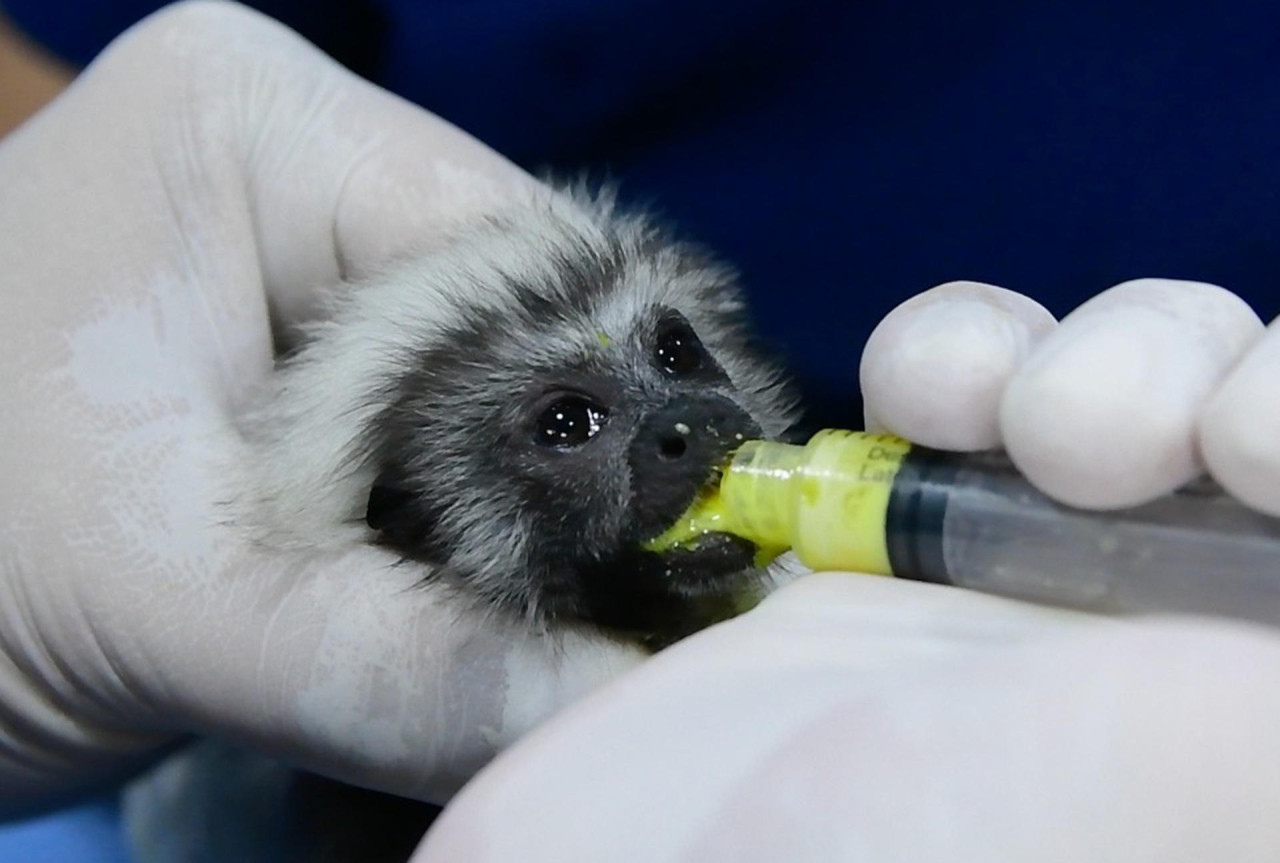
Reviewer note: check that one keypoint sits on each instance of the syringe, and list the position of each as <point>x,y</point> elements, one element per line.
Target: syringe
<point>877,504</point>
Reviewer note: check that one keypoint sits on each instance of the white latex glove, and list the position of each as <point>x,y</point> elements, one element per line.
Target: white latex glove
<point>858,718</point>
<point>208,165</point>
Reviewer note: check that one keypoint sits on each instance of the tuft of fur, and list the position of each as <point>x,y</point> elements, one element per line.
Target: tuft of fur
<point>422,382</point>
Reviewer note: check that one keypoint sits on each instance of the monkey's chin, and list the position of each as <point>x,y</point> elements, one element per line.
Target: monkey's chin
<point>713,563</point>
<point>660,597</point>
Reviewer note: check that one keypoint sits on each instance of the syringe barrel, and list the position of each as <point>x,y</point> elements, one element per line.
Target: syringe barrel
<point>973,521</point>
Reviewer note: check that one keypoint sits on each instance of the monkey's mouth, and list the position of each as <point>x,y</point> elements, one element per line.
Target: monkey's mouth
<point>702,517</point>
<point>699,535</point>
<point>666,590</point>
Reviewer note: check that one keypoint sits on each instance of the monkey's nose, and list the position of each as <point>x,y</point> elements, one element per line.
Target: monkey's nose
<point>696,427</point>
<point>673,445</point>
<point>676,450</point>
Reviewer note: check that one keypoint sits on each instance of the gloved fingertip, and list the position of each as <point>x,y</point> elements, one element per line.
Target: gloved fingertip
<point>1239,435</point>
<point>934,369</point>
<point>1085,422</point>
<point>1064,444</point>
<point>1103,414</point>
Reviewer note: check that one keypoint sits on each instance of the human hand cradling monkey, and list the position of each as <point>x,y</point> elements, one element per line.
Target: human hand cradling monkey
<point>208,166</point>
<point>858,718</point>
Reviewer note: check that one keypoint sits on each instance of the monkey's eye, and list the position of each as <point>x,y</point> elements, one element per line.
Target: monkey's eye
<point>678,351</point>
<point>569,422</point>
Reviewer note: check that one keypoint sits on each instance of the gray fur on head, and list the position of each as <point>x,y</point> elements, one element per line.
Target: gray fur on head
<point>414,414</point>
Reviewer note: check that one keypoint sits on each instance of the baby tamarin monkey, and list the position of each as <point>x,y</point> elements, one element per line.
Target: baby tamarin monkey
<point>516,414</point>
<point>520,412</point>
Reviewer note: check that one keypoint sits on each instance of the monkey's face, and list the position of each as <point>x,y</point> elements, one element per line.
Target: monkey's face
<point>565,413</point>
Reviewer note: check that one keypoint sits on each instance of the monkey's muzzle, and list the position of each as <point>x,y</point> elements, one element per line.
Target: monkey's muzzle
<point>677,454</point>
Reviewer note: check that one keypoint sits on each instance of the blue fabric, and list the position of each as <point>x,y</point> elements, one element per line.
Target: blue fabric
<point>847,155</point>
<point>89,833</point>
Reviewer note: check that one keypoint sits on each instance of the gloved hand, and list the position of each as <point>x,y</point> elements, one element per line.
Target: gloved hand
<point>208,166</point>
<point>1120,404</point>
<point>859,718</point>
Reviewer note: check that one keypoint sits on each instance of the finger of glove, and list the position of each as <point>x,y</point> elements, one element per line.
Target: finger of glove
<point>1103,414</point>
<point>343,176</point>
<point>935,368</point>
<point>352,667</point>
<point>261,142</point>
<point>943,750</point>
<point>1240,427</point>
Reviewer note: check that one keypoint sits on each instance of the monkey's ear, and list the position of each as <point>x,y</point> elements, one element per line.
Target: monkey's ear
<point>403,519</point>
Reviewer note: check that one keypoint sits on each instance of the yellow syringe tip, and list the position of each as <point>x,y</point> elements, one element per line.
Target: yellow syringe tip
<point>828,500</point>
<point>838,496</point>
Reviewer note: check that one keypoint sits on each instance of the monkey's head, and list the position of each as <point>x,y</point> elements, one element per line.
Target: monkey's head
<point>547,395</point>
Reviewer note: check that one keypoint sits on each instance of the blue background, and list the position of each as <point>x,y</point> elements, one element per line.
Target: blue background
<point>88,833</point>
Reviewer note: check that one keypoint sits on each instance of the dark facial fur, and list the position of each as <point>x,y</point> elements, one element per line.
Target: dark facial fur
<point>540,400</point>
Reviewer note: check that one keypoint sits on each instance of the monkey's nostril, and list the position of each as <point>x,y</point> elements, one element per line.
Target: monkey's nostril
<point>671,447</point>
